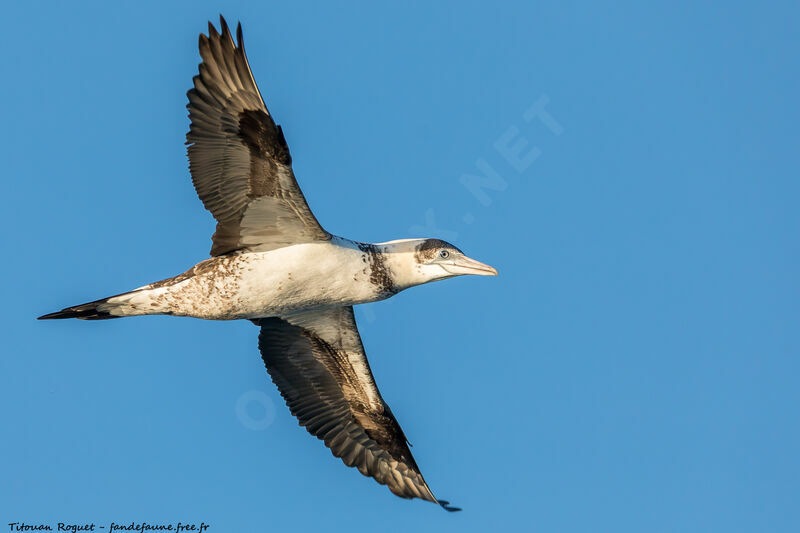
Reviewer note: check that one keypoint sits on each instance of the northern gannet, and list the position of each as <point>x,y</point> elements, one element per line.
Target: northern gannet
<point>274,264</point>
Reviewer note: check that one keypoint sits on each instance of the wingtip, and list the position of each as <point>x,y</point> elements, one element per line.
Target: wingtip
<point>447,507</point>
<point>239,39</point>
<point>212,30</point>
<point>223,26</point>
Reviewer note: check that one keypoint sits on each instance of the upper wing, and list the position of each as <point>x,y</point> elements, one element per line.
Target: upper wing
<point>238,157</point>
<point>318,363</point>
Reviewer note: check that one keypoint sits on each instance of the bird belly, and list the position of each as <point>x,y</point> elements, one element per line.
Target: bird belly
<point>262,284</point>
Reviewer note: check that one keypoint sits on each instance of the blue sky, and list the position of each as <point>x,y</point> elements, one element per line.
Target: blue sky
<point>633,368</point>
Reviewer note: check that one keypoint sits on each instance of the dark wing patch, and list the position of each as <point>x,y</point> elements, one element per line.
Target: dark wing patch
<point>318,363</point>
<point>238,157</point>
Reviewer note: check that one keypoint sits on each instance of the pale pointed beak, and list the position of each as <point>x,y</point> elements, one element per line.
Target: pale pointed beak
<point>464,265</point>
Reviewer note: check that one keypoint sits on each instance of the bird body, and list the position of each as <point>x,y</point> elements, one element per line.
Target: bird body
<point>250,285</point>
<point>274,264</point>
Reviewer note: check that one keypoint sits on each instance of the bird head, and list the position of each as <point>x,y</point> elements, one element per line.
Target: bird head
<point>418,261</point>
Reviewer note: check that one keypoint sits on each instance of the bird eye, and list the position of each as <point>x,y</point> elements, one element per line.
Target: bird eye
<point>444,254</point>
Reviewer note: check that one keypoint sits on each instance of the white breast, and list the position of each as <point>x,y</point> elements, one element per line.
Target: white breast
<point>261,284</point>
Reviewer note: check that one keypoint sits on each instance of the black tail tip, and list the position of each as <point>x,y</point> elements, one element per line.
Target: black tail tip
<point>82,312</point>
<point>447,507</point>
<point>57,314</point>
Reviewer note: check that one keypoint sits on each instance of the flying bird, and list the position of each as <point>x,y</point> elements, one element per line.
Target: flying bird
<point>273,263</point>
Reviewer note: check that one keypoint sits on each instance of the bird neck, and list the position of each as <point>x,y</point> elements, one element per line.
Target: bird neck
<point>399,260</point>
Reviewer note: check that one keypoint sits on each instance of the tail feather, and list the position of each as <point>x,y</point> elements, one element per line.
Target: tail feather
<point>87,311</point>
